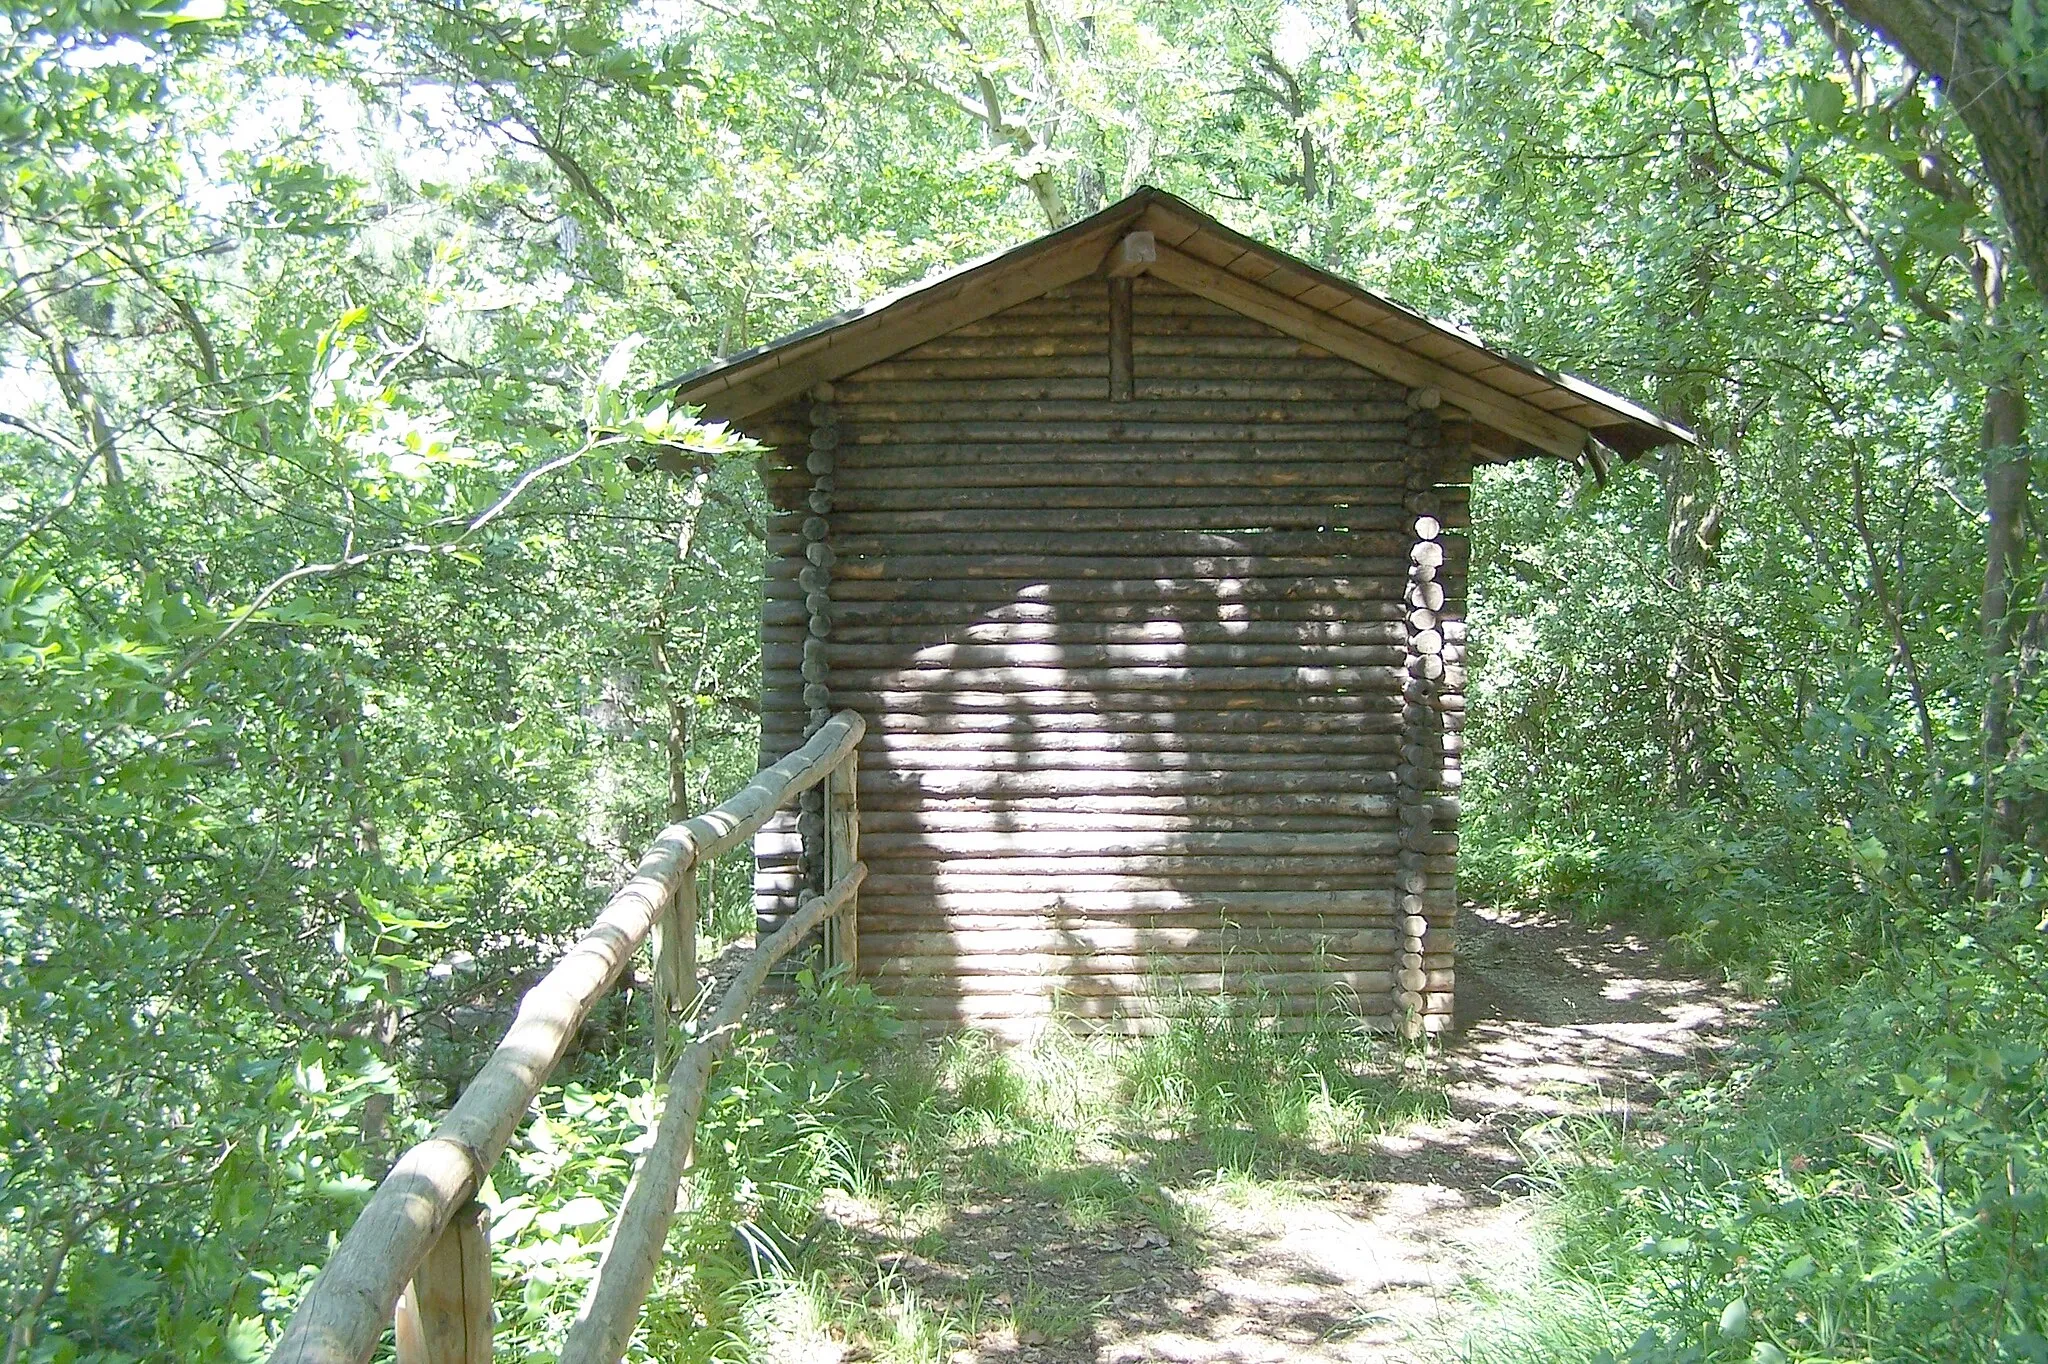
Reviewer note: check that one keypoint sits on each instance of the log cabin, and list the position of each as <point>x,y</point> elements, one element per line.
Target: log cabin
<point>1141,549</point>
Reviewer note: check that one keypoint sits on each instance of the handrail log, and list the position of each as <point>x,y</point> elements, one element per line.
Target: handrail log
<point>625,1273</point>
<point>343,1315</point>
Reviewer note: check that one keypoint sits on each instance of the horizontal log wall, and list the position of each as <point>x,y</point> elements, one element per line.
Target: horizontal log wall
<point>1163,698</point>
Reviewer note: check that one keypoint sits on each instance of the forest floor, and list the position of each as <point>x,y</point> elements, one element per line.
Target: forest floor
<point>1369,1254</point>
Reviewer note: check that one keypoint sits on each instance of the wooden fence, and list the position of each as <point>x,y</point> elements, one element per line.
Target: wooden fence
<point>419,1255</point>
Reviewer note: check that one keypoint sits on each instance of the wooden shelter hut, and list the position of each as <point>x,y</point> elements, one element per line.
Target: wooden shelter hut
<point>1140,548</point>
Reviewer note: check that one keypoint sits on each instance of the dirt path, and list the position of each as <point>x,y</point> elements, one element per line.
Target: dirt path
<point>1360,1258</point>
<point>1554,1019</point>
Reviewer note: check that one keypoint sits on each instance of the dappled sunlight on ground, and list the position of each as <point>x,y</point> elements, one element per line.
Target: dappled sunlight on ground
<point>1364,1255</point>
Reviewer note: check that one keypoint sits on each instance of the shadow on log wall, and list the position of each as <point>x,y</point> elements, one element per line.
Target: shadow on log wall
<point>1133,667</point>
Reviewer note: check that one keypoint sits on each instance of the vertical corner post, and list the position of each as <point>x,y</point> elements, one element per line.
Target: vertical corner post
<point>675,967</point>
<point>816,580</point>
<point>1421,758</point>
<point>842,853</point>
<point>444,1316</point>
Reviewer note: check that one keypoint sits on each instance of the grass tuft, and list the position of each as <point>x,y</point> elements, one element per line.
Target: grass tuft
<point>1869,1180</point>
<point>845,1173</point>
<point>1235,1073</point>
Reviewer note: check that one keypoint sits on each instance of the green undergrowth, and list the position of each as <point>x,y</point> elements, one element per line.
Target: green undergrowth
<point>1866,1178</point>
<point>1783,910</point>
<point>833,1141</point>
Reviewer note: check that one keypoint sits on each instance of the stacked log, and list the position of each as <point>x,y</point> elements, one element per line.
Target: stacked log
<point>1418,772</point>
<point>1140,672</point>
<point>814,576</point>
<point>1452,497</point>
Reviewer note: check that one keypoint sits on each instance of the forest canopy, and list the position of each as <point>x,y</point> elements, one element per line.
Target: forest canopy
<point>364,607</point>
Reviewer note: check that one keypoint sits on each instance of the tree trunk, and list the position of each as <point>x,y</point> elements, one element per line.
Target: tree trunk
<point>2030,673</point>
<point>1691,479</point>
<point>1909,669</point>
<point>81,396</point>
<point>2006,486</point>
<point>679,691</point>
<point>1967,45</point>
<point>679,706</point>
<point>380,1029</point>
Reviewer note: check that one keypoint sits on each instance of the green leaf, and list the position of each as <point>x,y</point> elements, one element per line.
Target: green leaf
<point>1824,102</point>
<point>577,1212</point>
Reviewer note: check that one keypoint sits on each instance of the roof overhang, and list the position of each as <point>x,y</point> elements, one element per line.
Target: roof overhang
<point>1518,408</point>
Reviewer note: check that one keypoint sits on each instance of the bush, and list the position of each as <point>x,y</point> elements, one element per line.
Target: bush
<point>788,1119</point>
<point>1870,1180</point>
<point>1785,909</point>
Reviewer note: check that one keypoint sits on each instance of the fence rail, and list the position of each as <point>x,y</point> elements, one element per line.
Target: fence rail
<point>421,1238</point>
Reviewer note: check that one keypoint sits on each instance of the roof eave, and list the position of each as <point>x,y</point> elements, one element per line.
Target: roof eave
<point>700,385</point>
<point>1631,430</point>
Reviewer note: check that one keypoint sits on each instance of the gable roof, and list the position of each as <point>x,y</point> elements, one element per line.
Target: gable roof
<point>1518,407</point>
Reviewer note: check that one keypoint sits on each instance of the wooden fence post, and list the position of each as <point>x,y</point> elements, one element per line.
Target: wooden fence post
<point>675,967</point>
<point>417,1213</point>
<point>842,852</point>
<point>445,1315</point>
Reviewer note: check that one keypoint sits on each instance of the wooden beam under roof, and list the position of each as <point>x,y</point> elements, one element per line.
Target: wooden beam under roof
<point>1556,415</point>
<point>1626,425</point>
<point>1133,255</point>
<point>909,322</point>
<point>1505,413</point>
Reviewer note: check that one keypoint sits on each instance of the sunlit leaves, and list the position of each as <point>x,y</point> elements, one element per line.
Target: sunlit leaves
<point>1824,101</point>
